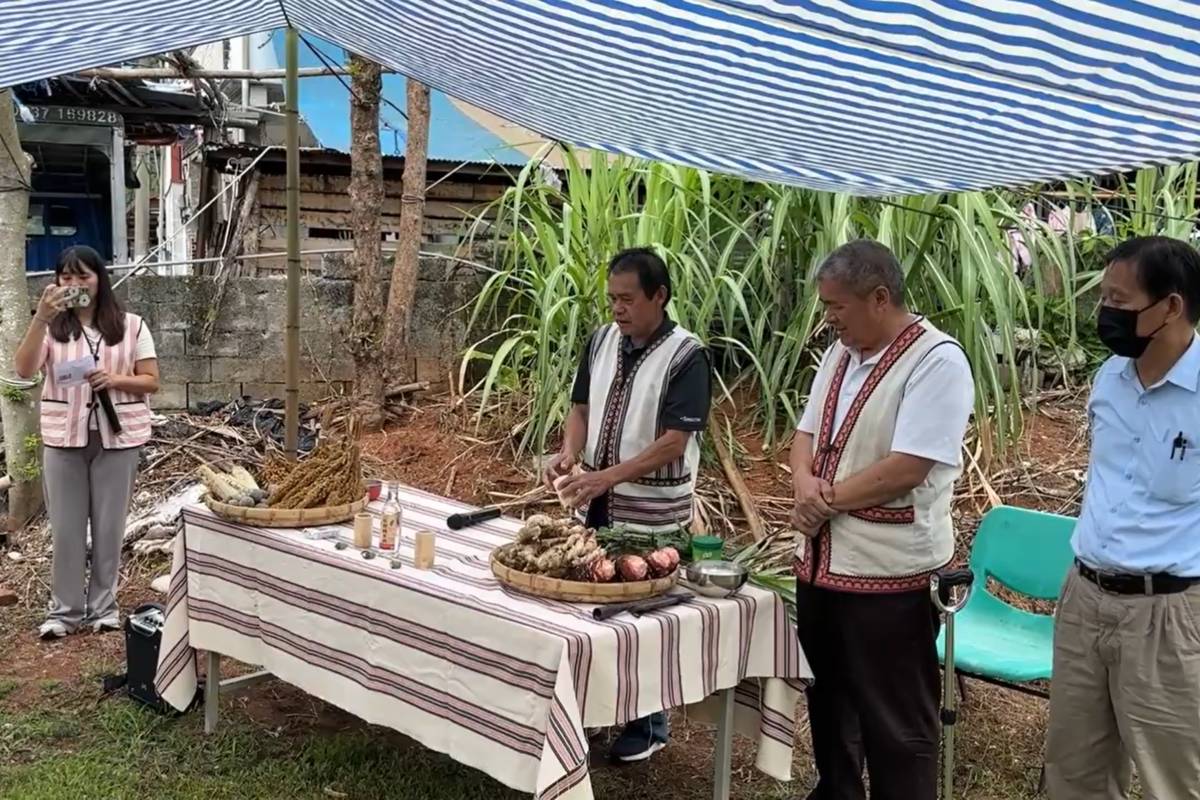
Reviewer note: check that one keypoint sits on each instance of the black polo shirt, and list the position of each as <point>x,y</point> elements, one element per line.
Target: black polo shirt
<point>689,393</point>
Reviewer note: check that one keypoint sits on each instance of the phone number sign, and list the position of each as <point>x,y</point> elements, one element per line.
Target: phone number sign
<point>76,116</point>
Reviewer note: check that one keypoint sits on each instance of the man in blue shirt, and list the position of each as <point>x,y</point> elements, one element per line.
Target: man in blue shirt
<point>1126,684</point>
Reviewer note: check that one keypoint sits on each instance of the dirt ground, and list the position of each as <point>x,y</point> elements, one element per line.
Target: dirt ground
<point>438,450</point>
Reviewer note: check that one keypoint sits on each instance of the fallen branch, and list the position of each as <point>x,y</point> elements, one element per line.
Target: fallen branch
<point>993,498</point>
<point>408,388</point>
<point>736,481</point>
<point>159,523</point>
<point>224,455</point>
<point>699,517</point>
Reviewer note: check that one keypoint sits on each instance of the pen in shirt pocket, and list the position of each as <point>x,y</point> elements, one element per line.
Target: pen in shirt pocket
<point>1180,446</point>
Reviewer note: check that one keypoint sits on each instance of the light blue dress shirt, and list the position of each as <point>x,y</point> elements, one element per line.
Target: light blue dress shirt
<point>1141,506</point>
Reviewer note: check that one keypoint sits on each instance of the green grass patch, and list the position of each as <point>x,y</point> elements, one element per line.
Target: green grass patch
<point>124,752</point>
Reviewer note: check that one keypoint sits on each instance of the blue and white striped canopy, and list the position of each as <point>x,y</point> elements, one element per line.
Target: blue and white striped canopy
<point>867,96</point>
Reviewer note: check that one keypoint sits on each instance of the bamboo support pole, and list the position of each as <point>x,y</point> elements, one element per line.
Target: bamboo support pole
<point>291,435</point>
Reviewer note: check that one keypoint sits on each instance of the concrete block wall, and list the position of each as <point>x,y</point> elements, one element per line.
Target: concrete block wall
<point>245,354</point>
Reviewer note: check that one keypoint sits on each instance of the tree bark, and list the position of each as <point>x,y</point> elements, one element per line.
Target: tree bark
<point>366,199</point>
<point>19,410</point>
<point>408,247</point>
<point>228,267</point>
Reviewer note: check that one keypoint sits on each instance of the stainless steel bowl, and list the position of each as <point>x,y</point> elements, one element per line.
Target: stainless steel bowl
<point>716,578</point>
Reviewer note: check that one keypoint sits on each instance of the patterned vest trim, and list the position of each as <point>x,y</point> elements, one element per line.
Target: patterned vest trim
<point>66,411</point>
<point>625,417</point>
<point>889,548</point>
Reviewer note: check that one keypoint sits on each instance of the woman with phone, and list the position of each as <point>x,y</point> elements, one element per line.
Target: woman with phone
<point>99,369</point>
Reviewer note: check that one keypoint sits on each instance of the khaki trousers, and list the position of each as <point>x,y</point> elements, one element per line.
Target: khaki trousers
<point>1126,688</point>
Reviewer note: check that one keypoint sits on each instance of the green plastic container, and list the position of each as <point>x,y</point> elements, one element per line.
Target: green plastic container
<point>707,547</point>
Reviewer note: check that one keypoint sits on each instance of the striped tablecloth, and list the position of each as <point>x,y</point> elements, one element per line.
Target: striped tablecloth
<point>499,681</point>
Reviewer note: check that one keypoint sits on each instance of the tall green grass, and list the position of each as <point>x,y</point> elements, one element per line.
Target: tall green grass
<point>742,257</point>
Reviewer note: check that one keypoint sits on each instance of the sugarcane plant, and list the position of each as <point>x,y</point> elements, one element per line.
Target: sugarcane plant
<point>769,562</point>
<point>743,256</point>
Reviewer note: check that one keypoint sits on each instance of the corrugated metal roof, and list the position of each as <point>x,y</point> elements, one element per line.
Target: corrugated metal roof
<point>316,160</point>
<point>325,106</point>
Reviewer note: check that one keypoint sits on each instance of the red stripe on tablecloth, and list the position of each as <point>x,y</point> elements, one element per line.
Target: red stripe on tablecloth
<point>771,723</point>
<point>672,681</point>
<point>372,677</point>
<point>748,608</point>
<point>563,738</point>
<point>564,784</point>
<point>579,645</point>
<point>407,632</point>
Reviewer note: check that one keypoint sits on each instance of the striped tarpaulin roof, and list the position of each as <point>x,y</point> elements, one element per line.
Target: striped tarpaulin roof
<point>869,96</point>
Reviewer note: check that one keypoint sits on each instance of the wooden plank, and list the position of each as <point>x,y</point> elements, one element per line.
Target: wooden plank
<point>430,244</point>
<point>273,223</point>
<point>443,209</point>
<point>449,189</point>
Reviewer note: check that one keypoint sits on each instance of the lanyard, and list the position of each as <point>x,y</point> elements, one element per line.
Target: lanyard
<point>93,346</point>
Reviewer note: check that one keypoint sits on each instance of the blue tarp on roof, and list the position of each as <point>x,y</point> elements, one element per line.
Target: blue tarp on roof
<point>325,106</point>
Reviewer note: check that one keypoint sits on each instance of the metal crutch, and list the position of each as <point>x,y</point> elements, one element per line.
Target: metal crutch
<point>941,590</point>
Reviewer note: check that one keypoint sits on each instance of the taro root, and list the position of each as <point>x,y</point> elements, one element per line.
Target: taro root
<point>632,568</point>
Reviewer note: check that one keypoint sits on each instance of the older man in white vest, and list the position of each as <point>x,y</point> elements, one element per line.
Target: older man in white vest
<point>874,462</point>
<point>639,403</point>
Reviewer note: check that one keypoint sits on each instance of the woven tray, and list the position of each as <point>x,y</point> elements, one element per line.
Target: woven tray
<point>285,517</point>
<point>580,591</point>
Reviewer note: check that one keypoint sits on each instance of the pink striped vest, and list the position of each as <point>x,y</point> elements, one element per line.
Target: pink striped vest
<point>66,410</point>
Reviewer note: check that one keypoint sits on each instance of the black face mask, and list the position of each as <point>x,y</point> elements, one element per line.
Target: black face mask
<point>1118,330</point>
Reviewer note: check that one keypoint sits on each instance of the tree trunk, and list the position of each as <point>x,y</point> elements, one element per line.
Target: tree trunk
<point>228,266</point>
<point>408,248</point>
<point>22,444</point>
<point>366,202</point>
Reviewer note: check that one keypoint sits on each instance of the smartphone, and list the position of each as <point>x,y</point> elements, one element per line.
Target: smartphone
<point>76,297</point>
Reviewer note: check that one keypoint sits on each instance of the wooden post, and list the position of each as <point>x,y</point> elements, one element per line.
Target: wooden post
<point>141,206</point>
<point>291,436</point>
<point>116,178</point>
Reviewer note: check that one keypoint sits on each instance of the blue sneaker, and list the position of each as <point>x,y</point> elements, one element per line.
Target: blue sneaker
<point>641,739</point>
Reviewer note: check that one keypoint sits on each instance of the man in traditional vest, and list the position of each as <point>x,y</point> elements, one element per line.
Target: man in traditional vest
<point>639,403</point>
<point>874,462</point>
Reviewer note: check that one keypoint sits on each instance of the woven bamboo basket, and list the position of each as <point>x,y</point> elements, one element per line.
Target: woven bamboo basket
<point>580,591</point>
<point>285,517</point>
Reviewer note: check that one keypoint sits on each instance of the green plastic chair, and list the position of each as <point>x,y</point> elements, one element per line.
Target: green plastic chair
<point>1028,552</point>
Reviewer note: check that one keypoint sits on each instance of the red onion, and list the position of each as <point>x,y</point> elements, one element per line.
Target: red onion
<point>662,562</point>
<point>602,570</point>
<point>673,554</point>
<point>632,568</point>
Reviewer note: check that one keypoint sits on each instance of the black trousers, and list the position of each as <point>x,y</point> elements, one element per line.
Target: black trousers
<point>875,694</point>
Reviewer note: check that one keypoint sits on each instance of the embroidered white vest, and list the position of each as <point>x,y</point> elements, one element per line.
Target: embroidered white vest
<point>889,548</point>
<point>625,417</point>
<point>66,410</point>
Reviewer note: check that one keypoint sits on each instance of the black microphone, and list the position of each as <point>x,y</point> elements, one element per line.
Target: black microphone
<point>457,522</point>
<point>109,412</point>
